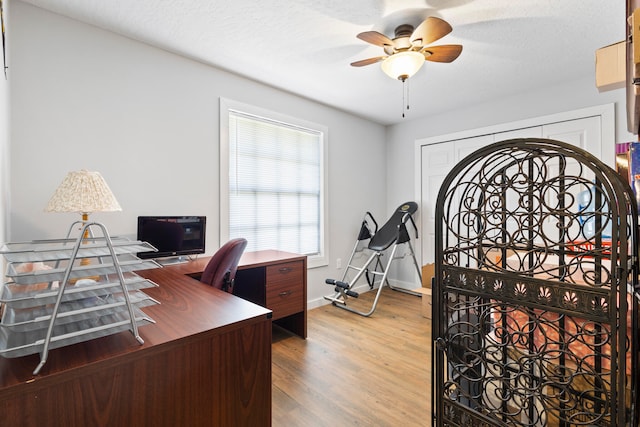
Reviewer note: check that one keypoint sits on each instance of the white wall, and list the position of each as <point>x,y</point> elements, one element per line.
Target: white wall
<point>148,121</point>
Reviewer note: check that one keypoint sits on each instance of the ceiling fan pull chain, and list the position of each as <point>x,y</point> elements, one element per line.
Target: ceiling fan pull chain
<point>407,95</point>
<point>403,97</point>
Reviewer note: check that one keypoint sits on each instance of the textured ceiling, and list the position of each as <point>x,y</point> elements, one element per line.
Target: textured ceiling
<point>306,46</point>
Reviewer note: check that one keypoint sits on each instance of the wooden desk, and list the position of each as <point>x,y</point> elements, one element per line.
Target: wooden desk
<point>273,279</point>
<point>206,362</point>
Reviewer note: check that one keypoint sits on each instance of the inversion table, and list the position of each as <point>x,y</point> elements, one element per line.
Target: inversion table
<point>393,233</point>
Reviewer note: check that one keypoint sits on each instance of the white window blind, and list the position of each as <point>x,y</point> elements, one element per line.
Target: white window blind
<point>275,184</point>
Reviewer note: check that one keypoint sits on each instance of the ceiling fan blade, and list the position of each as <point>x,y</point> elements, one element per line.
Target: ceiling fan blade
<point>430,30</point>
<point>369,61</point>
<point>442,53</point>
<point>375,38</point>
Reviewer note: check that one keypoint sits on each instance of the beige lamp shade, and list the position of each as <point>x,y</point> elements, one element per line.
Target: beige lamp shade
<point>403,65</point>
<point>84,192</point>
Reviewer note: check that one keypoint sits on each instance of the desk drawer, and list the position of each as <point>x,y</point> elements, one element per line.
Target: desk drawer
<point>285,294</point>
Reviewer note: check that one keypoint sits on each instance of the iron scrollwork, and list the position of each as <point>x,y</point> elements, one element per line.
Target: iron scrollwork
<point>535,259</point>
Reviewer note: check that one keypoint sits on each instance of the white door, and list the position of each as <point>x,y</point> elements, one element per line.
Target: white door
<point>584,133</point>
<point>438,159</point>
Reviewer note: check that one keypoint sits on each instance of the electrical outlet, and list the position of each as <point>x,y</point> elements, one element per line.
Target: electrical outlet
<point>339,263</point>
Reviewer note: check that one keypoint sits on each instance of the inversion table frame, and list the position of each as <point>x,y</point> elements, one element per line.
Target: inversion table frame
<point>393,232</point>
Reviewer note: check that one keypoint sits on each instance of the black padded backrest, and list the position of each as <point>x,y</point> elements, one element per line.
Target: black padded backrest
<point>390,231</point>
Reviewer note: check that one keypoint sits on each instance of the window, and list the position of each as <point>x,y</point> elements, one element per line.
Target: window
<point>272,181</point>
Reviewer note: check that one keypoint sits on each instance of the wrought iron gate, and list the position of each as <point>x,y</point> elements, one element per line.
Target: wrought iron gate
<point>535,314</point>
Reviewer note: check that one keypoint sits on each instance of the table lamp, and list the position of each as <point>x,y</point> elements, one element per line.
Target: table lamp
<point>83,192</point>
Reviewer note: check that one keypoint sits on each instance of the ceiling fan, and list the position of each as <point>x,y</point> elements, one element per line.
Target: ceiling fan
<point>409,48</point>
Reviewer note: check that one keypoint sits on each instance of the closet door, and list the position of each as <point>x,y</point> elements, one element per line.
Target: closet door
<point>532,132</point>
<point>585,133</point>
<point>438,159</point>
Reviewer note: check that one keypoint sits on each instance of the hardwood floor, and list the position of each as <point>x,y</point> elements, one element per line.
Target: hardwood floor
<point>354,370</point>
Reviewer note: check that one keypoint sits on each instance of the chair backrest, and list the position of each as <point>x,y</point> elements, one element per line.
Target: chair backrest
<point>221,269</point>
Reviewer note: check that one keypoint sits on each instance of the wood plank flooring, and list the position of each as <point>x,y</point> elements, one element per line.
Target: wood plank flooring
<point>354,370</point>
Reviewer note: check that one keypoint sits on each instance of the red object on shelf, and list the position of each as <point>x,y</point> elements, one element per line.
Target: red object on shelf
<point>590,246</point>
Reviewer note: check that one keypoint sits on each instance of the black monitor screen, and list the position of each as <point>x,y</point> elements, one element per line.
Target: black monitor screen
<point>172,235</point>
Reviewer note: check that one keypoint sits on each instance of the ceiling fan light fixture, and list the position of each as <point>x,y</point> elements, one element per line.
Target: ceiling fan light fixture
<point>403,65</point>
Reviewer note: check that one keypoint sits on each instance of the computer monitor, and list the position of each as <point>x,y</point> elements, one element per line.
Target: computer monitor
<point>174,236</point>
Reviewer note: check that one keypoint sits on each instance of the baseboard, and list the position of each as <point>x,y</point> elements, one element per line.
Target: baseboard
<point>404,285</point>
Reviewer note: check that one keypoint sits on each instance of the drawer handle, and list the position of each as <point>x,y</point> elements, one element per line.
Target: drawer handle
<point>285,270</point>
<point>285,293</point>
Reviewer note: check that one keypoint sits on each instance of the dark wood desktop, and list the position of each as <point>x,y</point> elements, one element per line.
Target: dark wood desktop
<point>206,362</point>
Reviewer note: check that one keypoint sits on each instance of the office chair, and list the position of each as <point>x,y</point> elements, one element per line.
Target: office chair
<point>220,272</point>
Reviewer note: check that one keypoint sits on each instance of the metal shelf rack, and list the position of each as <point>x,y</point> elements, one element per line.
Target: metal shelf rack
<point>64,291</point>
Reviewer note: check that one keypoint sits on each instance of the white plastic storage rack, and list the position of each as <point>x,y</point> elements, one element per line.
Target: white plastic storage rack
<point>84,288</point>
